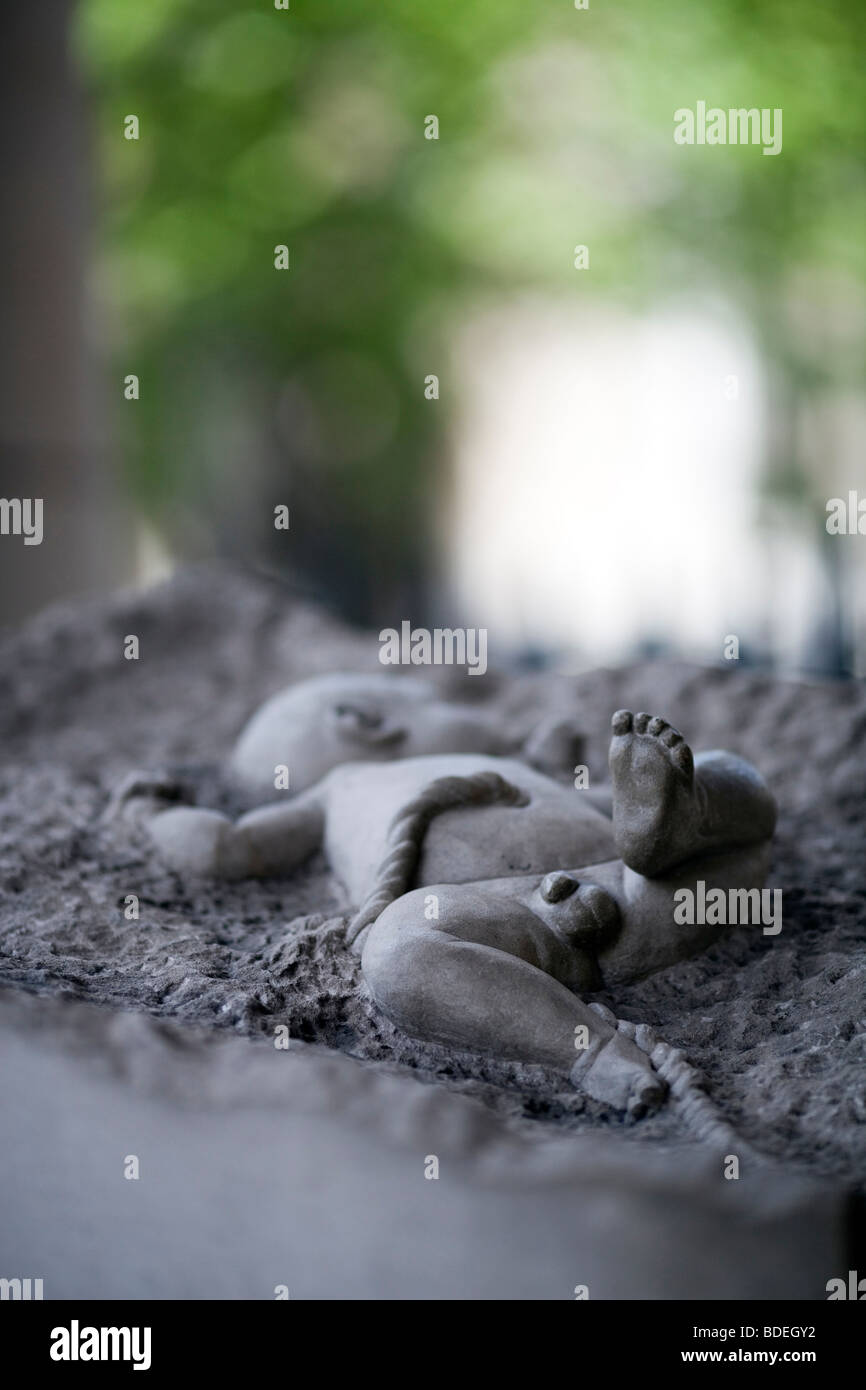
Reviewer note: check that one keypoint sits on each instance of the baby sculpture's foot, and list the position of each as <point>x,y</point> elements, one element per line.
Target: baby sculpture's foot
<point>665,810</point>
<point>657,804</point>
<point>619,1074</point>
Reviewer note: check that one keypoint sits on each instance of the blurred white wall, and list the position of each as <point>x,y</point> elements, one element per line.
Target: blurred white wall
<point>605,487</point>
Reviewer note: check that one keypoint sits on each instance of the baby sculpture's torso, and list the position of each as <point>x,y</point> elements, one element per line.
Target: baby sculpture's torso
<point>557,826</point>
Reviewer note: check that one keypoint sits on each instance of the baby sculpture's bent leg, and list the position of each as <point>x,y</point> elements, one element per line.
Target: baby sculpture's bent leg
<point>665,919</point>
<point>669,807</point>
<point>270,841</point>
<point>478,979</point>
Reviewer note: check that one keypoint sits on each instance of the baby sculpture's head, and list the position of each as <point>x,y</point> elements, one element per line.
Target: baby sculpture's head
<point>314,726</point>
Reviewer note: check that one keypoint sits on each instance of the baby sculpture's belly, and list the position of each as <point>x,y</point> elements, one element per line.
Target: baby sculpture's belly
<point>502,841</point>
<point>556,829</point>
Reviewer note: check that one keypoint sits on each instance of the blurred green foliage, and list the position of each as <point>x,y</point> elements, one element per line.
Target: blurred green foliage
<point>306,127</point>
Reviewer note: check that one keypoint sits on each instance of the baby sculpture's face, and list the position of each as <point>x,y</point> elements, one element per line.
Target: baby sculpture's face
<point>314,726</point>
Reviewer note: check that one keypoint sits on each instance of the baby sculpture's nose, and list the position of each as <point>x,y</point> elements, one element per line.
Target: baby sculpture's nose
<point>557,886</point>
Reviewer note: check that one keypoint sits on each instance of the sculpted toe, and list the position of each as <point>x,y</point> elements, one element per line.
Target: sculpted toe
<point>681,757</point>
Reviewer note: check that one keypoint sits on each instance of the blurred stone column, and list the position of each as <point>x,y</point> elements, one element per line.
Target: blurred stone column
<point>52,441</point>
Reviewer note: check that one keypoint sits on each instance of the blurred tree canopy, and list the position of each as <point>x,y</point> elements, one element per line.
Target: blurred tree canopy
<point>305,127</point>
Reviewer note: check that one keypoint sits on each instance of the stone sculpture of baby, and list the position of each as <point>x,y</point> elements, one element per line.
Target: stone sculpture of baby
<point>490,896</point>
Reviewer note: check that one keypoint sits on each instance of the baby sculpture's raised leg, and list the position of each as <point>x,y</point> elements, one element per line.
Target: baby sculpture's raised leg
<point>669,807</point>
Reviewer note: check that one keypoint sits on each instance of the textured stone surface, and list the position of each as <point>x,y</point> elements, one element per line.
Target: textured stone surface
<point>260,1168</point>
<point>776,1023</point>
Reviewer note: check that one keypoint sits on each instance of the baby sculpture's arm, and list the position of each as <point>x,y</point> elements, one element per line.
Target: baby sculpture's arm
<point>270,841</point>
